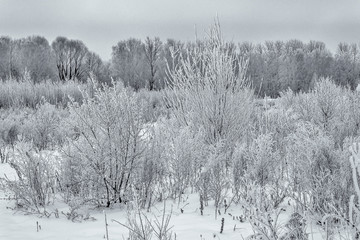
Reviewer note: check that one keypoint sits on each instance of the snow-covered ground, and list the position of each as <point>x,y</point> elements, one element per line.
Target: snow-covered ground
<point>187,225</point>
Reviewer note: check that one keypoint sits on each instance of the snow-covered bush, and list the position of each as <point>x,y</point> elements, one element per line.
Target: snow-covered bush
<point>259,173</point>
<point>215,179</point>
<point>267,225</point>
<point>330,107</point>
<point>172,162</point>
<point>22,94</point>
<point>263,160</point>
<point>44,127</point>
<point>155,104</point>
<point>185,159</point>
<point>327,96</point>
<point>143,227</point>
<point>151,176</point>
<point>107,145</point>
<point>315,168</point>
<point>239,168</point>
<point>35,186</point>
<point>337,110</point>
<point>11,121</point>
<point>287,99</point>
<point>296,228</point>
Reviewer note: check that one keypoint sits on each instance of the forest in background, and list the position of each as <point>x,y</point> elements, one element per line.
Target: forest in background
<point>273,66</point>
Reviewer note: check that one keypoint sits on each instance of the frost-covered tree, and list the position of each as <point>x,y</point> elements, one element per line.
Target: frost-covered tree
<point>33,56</point>
<point>128,63</point>
<point>210,90</point>
<point>7,60</point>
<point>152,52</point>
<point>346,70</point>
<point>94,65</point>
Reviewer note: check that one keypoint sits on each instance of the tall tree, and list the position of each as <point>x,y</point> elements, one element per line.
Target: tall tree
<point>94,65</point>
<point>171,51</point>
<point>70,57</point>
<point>6,57</point>
<point>272,55</point>
<point>346,69</point>
<point>8,68</point>
<point>128,63</point>
<point>34,56</point>
<point>318,62</point>
<point>153,49</point>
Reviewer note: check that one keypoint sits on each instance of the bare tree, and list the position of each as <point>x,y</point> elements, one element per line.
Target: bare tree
<point>94,65</point>
<point>346,69</point>
<point>7,57</point>
<point>152,52</point>
<point>34,55</point>
<point>127,63</point>
<point>70,56</point>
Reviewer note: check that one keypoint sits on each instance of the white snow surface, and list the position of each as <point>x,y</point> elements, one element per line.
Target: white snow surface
<point>187,225</point>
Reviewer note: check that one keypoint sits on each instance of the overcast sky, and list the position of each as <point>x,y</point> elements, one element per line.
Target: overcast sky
<point>100,24</point>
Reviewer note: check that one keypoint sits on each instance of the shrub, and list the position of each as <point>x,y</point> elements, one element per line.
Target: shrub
<point>185,158</point>
<point>215,180</point>
<point>36,184</point>
<point>143,227</point>
<point>150,177</point>
<point>154,104</point>
<point>43,127</point>
<point>107,146</point>
<point>329,107</point>
<point>20,94</point>
<point>315,168</point>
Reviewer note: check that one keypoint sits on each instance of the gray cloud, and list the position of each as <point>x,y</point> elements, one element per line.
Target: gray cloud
<point>102,23</point>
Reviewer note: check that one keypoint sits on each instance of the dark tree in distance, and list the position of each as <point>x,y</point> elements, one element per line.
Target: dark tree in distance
<point>152,49</point>
<point>346,70</point>
<point>34,55</point>
<point>5,57</point>
<point>94,65</point>
<point>70,56</point>
<point>128,63</point>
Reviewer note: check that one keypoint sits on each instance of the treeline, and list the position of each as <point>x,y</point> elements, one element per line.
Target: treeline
<point>273,66</point>
<point>277,66</point>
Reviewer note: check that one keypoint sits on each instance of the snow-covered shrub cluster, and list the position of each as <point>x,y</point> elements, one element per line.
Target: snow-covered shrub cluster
<point>206,134</point>
<point>36,183</point>
<point>44,127</point>
<point>108,144</point>
<point>24,93</point>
